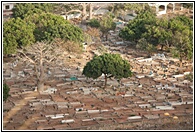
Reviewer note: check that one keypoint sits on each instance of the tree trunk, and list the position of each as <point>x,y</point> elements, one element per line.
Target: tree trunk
<point>84,13</point>
<point>143,6</point>
<point>40,83</point>
<point>40,86</point>
<point>105,81</point>
<point>180,62</point>
<point>161,47</point>
<point>90,12</point>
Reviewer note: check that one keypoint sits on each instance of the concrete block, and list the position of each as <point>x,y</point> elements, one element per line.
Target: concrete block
<point>93,111</point>
<point>175,103</point>
<point>165,107</point>
<point>178,76</point>
<point>118,43</point>
<point>87,120</point>
<point>118,108</point>
<point>140,76</point>
<point>68,121</point>
<point>186,73</point>
<point>128,95</point>
<point>104,110</point>
<point>29,97</point>
<point>134,117</point>
<point>49,115</point>
<point>49,103</point>
<point>75,103</point>
<point>151,116</point>
<point>144,105</point>
<point>35,103</point>
<point>57,117</point>
<point>79,109</point>
<point>81,112</point>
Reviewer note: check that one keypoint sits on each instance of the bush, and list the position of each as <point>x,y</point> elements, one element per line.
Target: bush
<point>144,45</point>
<point>94,23</point>
<point>189,77</point>
<point>6,90</point>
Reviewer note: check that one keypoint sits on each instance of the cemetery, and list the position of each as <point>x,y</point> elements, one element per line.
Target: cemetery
<point>158,95</point>
<point>71,101</point>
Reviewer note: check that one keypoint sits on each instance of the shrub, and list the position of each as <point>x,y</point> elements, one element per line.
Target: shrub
<point>6,90</point>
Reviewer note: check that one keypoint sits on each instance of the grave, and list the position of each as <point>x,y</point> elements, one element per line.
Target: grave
<point>67,121</point>
<point>151,117</point>
<point>164,107</point>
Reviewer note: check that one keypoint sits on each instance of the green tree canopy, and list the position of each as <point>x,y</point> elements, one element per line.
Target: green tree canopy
<point>182,39</point>
<point>136,7</point>
<point>122,8</point>
<point>183,44</point>
<point>94,23</point>
<point>6,90</point>
<point>17,33</point>
<point>148,30</point>
<point>50,26</point>
<point>136,27</point>
<point>24,9</point>
<point>143,44</point>
<point>184,20</point>
<point>111,65</point>
<point>188,5</point>
<point>159,33</point>
<point>107,24</point>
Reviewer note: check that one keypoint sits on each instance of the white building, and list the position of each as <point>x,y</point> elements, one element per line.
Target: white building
<point>158,4</point>
<point>7,10</point>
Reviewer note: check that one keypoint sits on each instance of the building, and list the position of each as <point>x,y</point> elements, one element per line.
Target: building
<point>7,10</point>
<point>158,4</point>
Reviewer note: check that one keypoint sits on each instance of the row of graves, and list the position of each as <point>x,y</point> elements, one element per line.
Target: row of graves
<point>70,101</point>
<point>77,102</point>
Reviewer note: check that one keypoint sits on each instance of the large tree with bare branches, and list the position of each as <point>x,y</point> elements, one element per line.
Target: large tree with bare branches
<point>40,54</point>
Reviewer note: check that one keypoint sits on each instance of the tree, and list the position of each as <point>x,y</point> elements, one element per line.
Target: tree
<point>188,6</point>
<point>107,24</point>
<point>16,34</point>
<point>182,39</point>
<point>117,9</point>
<point>94,33</point>
<point>111,65</point>
<point>94,23</point>
<point>50,26</point>
<point>122,8</point>
<point>136,7</point>
<point>184,20</point>
<point>6,90</point>
<point>40,54</point>
<point>136,27</point>
<point>183,45</point>
<point>25,9</point>
<point>143,44</point>
<point>158,33</point>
